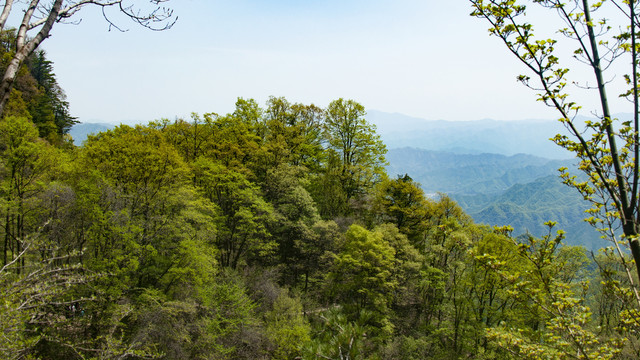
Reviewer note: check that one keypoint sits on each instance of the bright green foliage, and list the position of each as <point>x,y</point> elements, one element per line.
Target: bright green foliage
<point>408,271</point>
<point>402,202</point>
<point>445,287</point>
<point>597,34</point>
<point>286,327</point>
<point>26,165</point>
<point>143,171</point>
<point>292,134</point>
<point>191,259</point>
<point>557,322</point>
<point>145,227</point>
<point>488,291</point>
<point>203,239</point>
<point>17,106</point>
<point>355,152</point>
<point>238,140</point>
<point>362,277</point>
<point>242,229</point>
<point>191,139</point>
<point>309,120</point>
<point>603,36</point>
<point>227,317</point>
<point>138,161</point>
<point>614,301</point>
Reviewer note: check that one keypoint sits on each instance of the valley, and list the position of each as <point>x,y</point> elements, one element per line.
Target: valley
<point>496,182</point>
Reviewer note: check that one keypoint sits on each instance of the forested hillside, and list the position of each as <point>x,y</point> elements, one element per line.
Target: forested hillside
<point>271,233</point>
<point>526,207</point>
<point>288,230</point>
<point>488,187</point>
<point>275,232</point>
<point>522,191</point>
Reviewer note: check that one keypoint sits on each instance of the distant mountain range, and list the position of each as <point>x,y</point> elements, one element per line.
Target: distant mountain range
<point>474,137</point>
<point>79,132</point>
<point>471,137</point>
<point>526,207</point>
<point>522,191</point>
<point>469,174</point>
<point>500,172</point>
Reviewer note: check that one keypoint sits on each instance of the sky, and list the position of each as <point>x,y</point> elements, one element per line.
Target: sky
<point>422,58</point>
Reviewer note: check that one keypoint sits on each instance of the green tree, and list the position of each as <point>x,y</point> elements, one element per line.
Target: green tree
<point>319,252</point>
<point>446,307</point>
<point>37,18</point>
<point>237,140</point>
<point>245,216</point>
<point>140,164</point>
<point>292,134</point>
<point>554,320</point>
<point>402,202</point>
<point>355,152</point>
<point>408,274</point>
<point>192,139</point>
<point>294,216</point>
<point>26,162</point>
<point>488,291</point>
<point>310,120</point>
<point>52,101</point>
<point>286,327</point>
<point>362,279</point>
<point>608,149</point>
<point>36,94</point>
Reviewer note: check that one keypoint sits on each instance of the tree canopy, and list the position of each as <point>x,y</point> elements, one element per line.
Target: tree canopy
<point>275,233</point>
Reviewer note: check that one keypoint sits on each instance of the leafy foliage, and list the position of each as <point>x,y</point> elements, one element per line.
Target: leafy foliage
<point>274,234</point>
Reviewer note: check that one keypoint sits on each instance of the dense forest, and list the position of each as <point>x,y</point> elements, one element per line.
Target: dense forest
<point>270,233</point>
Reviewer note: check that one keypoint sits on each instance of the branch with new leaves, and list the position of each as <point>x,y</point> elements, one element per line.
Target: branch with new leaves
<point>608,149</point>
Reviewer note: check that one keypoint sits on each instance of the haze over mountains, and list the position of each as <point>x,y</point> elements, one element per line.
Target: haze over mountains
<point>471,137</point>
<point>500,172</point>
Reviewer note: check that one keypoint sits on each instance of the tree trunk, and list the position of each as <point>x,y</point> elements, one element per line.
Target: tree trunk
<point>25,48</point>
<point>5,13</point>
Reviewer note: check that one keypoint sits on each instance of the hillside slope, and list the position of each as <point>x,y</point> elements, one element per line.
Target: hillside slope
<point>470,137</point>
<point>526,207</point>
<point>469,174</point>
<point>79,132</point>
<point>522,191</point>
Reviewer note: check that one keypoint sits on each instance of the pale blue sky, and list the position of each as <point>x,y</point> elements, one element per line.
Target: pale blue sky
<point>424,58</point>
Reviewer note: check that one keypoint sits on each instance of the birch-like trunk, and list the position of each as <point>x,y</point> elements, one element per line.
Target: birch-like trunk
<point>25,46</point>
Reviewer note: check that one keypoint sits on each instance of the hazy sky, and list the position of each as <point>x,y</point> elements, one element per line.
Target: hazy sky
<point>424,58</point>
